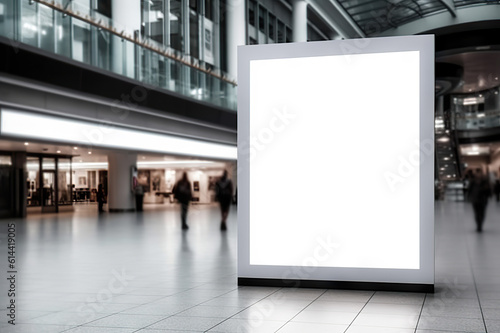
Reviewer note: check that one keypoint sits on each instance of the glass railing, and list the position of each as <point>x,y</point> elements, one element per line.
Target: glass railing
<point>476,121</point>
<point>71,30</point>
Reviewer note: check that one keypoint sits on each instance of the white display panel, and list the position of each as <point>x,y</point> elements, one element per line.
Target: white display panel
<point>336,160</point>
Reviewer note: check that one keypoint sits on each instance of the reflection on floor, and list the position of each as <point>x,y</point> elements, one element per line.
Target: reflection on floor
<point>141,273</point>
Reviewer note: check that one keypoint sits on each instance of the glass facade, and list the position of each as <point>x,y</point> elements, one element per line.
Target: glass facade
<point>264,27</point>
<point>174,49</point>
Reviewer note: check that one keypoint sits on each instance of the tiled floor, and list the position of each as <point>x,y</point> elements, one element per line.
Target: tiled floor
<point>133,272</point>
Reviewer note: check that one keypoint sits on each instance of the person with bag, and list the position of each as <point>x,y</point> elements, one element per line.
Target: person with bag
<point>224,194</point>
<point>182,192</point>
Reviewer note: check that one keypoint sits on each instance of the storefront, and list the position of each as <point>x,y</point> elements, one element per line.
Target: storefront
<point>49,183</point>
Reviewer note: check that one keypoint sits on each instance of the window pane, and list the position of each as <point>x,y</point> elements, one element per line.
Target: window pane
<point>262,21</point>
<point>176,24</point>
<point>49,163</point>
<point>193,35</point>
<point>33,169</point>
<point>46,28</point>
<point>209,10</point>
<point>251,13</point>
<point>29,23</point>
<point>64,181</point>
<point>5,160</point>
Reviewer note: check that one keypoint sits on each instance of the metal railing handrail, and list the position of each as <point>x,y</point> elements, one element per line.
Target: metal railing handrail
<point>145,43</point>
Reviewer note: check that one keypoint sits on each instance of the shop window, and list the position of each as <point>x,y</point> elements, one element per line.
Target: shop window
<point>32,182</point>
<point>5,160</point>
<point>64,181</point>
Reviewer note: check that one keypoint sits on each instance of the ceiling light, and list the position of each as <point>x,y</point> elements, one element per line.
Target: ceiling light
<point>26,143</point>
<point>75,148</point>
<point>58,151</point>
<point>475,148</point>
<point>74,131</point>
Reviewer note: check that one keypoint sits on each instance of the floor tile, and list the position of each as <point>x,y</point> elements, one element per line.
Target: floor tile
<point>395,309</point>
<point>265,313</point>
<point>323,317</point>
<point>100,330</point>
<point>397,298</point>
<point>295,327</point>
<point>31,328</point>
<point>380,320</point>
<point>126,321</point>
<point>451,324</point>
<point>187,323</point>
<point>250,326</point>
<point>374,329</point>
<point>336,306</point>
<point>210,311</point>
<point>493,325</point>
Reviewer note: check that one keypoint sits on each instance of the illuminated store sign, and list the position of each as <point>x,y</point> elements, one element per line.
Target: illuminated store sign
<point>336,153</point>
<point>42,127</point>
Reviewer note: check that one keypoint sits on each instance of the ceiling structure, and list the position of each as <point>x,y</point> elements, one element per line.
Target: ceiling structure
<point>93,158</point>
<point>481,70</point>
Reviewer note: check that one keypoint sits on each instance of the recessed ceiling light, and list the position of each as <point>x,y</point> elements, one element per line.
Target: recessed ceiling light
<point>58,151</point>
<point>26,143</point>
<point>90,153</point>
<point>75,148</point>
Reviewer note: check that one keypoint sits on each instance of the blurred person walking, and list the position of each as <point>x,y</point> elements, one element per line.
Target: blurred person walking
<point>224,194</point>
<point>496,189</point>
<point>100,197</point>
<point>182,192</point>
<point>479,192</point>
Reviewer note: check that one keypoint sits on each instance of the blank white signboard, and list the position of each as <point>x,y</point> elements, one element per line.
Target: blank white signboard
<point>335,153</point>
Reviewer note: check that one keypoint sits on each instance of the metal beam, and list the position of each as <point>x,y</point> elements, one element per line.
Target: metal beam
<point>450,5</point>
<point>348,19</point>
<point>336,17</point>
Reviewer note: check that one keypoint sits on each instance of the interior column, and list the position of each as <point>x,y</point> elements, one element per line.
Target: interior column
<point>299,22</point>
<point>120,195</point>
<point>236,33</point>
<point>126,16</point>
